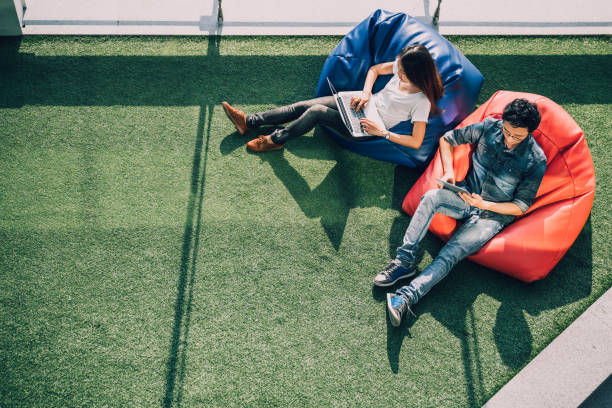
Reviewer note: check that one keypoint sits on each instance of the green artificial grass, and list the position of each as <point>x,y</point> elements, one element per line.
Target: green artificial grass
<point>146,259</point>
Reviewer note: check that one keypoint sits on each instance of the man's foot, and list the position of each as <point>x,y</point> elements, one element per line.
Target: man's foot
<point>397,306</point>
<point>263,144</point>
<point>392,273</point>
<point>237,117</point>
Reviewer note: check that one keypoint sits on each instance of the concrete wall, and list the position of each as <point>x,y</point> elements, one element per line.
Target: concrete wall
<point>11,15</point>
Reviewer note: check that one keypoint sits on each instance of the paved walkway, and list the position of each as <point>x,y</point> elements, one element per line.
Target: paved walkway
<point>312,17</point>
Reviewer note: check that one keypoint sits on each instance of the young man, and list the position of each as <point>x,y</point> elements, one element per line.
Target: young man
<point>506,171</point>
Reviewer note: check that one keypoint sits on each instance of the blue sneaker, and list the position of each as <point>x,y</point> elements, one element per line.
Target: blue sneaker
<point>392,273</point>
<point>397,305</point>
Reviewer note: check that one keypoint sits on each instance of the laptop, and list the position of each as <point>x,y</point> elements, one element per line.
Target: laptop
<point>350,117</point>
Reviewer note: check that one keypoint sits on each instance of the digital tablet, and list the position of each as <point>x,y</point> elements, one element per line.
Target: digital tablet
<point>452,187</point>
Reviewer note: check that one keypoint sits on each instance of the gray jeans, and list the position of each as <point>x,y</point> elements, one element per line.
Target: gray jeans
<point>471,236</point>
<point>304,115</point>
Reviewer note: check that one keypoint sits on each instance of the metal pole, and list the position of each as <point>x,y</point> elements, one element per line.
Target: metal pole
<point>23,10</point>
<point>436,15</point>
<point>220,15</point>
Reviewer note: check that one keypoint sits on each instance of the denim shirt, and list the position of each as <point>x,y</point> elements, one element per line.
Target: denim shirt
<point>497,173</point>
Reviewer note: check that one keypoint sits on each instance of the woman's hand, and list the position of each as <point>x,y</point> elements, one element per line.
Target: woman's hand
<point>371,128</point>
<point>358,102</point>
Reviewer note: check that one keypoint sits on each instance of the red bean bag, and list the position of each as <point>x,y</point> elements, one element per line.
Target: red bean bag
<point>531,246</point>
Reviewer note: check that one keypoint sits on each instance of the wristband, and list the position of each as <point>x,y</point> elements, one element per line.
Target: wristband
<point>387,135</point>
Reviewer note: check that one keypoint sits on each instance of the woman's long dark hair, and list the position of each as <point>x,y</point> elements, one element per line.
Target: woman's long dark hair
<point>419,67</point>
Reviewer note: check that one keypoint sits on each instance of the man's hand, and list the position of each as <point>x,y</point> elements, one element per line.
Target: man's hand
<point>449,177</point>
<point>474,200</point>
<point>358,102</point>
<point>371,127</point>
<point>446,154</point>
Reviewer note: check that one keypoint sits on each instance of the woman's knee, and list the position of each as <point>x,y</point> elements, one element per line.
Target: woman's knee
<point>315,114</point>
<point>303,107</point>
<point>317,110</point>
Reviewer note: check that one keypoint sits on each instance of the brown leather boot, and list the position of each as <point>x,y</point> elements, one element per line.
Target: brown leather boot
<point>237,117</point>
<point>263,144</point>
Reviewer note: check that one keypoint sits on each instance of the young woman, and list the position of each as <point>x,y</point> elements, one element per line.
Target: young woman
<point>411,94</point>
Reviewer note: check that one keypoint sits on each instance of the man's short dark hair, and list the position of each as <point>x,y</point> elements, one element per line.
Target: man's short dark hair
<point>522,113</point>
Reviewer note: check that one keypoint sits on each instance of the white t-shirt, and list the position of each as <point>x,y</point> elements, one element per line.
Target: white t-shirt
<point>395,106</point>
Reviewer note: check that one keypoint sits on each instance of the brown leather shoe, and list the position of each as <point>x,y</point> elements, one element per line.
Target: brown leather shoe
<point>263,144</point>
<point>237,117</point>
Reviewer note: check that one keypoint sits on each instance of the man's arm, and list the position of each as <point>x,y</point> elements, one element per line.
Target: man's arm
<point>507,208</point>
<point>523,198</point>
<point>471,134</point>
<point>446,154</point>
<point>467,135</point>
<point>528,188</point>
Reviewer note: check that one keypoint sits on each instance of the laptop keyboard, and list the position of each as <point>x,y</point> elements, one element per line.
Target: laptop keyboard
<point>354,117</point>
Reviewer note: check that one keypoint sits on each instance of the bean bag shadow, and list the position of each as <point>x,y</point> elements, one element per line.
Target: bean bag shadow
<point>531,246</point>
<point>380,38</point>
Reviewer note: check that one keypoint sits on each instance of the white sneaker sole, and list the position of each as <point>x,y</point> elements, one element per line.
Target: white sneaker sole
<point>394,316</point>
<point>385,285</point>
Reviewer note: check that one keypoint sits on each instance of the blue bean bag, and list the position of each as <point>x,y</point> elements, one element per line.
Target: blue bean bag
<point>380,38</point>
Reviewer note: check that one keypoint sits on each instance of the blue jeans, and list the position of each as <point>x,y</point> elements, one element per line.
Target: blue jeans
<point>471,236</point>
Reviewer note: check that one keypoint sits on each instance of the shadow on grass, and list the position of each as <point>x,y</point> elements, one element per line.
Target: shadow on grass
<point>351,183</point>
<point>452,301</point>
<point>395,335</point>
<point>541,74</point>
<point>29,79</point>
<point>10,57</point>
<point>332,199</point>
<point>175,373</point>
<point>404,179</point>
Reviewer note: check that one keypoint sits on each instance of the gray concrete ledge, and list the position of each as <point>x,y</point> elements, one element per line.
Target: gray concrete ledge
<point>573,370</point>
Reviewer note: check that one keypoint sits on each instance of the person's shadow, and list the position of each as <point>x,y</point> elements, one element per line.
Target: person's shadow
<point>452,303</point>
<point>354,180</point>
<point>404,179</point>
<point>349,184</point>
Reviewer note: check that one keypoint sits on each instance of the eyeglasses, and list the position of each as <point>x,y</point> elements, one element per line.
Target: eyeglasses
<point>518,138</point>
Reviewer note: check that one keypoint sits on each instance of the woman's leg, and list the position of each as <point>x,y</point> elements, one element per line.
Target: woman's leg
<point>288,113</point>
<point>317,114</point>
<point>305,115</point>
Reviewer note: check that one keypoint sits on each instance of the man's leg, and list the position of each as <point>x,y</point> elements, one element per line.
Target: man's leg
<point>437,200</point>
<point>472,235</point>
<point>434,201</point>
